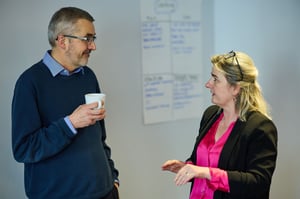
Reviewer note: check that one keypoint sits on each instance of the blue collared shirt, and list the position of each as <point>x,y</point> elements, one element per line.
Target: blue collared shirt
<point>55,69</point>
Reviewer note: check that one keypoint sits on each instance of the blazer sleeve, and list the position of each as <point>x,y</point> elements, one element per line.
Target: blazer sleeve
<point>249,157</point>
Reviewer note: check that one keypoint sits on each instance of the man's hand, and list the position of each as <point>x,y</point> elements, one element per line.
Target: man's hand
<point>86,115</point>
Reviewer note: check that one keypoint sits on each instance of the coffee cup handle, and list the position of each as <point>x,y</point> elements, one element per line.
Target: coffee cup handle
<point>99,104</point>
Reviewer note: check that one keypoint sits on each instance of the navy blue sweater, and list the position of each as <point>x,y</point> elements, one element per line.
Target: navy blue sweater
<point>58,163</point>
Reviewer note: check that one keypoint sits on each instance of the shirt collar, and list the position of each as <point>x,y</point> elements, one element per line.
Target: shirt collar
<point>55,68</point>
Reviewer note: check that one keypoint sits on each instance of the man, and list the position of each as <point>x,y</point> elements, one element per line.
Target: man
<point>59,138</point>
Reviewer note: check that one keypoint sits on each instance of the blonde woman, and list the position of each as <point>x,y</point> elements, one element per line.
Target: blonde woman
<point>236,149</point>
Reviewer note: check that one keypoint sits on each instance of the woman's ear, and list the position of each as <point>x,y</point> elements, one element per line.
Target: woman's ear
<point>236,89</point>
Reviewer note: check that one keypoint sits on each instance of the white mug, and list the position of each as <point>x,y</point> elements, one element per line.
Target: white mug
<point>95,97</point>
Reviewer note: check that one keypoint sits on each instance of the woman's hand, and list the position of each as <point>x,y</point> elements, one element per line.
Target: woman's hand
<point>189,171</point>
<point>172,165</point>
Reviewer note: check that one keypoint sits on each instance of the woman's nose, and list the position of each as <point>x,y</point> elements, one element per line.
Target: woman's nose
<point>208,84</point>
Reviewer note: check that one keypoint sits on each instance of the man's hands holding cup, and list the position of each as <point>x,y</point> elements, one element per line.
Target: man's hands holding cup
<point>86,115</point>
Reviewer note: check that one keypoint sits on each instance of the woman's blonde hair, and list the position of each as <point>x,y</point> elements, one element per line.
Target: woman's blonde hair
<point>239,69</point>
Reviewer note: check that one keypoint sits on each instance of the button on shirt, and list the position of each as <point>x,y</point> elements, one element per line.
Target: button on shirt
<point>208,153</point>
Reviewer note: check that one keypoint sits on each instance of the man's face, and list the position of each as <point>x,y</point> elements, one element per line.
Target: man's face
<point>78,50</point>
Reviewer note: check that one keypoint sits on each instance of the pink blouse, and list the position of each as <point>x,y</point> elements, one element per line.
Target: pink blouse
<point>208,153</point>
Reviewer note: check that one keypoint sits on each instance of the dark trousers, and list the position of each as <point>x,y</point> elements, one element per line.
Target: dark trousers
<point>114,194</point>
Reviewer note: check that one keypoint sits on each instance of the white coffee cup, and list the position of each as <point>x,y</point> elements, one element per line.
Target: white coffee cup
<point>95,97</point>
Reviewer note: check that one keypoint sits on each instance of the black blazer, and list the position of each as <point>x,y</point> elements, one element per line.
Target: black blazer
<point>249,155</point>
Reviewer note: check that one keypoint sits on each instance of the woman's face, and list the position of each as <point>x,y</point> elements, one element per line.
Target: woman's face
<point>222,93</point>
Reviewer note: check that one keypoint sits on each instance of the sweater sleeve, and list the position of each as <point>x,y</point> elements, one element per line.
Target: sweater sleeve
<point>115,172</point>
<point>32,141</point>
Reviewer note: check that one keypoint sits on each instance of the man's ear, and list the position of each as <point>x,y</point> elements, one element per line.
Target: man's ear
<point>61,41</point>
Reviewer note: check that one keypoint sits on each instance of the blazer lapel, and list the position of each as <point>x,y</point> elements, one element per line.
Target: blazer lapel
<point>207,126</point>
<point>230,144</point>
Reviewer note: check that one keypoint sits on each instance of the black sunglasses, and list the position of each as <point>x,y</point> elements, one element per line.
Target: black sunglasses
<point>232,54</point>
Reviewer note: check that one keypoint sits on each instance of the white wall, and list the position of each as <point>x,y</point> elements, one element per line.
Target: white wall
<point>267,30</point>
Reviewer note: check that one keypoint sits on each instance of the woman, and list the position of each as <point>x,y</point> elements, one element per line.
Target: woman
<point>235,151</point>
